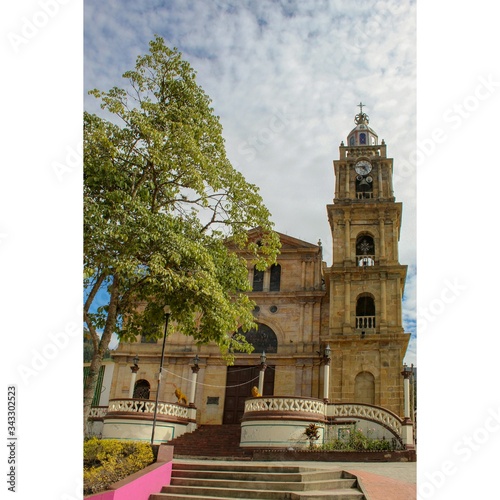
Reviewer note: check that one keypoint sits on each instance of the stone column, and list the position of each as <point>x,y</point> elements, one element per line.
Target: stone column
<point>347,237</point>
<point>194,378</point>
<point>347,181</point>
<point>407,427</point>
<point>262,371</point>
<point>395,240</point>
<point>381,223</point>
<point>380,185</point>
<point>267,280</point>
<point>134,370</point>
<point>347,300</point>
<point>383,300</point>
<point>326,373</point>
<point>336,184</point>
<point>406,391</point>
<point>331,315</point>
<point>250,276</point>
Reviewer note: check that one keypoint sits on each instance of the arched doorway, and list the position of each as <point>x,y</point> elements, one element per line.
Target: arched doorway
<point>364,388</point>
<point>240,379</point>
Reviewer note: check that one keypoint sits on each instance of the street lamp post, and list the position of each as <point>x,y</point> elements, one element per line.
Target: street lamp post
<point>167,316</point>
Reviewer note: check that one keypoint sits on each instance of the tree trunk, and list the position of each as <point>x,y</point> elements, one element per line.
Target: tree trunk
<point>103,344</point>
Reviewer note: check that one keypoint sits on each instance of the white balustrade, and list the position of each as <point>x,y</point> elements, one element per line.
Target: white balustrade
<point>365,260</point>
<point>373,413</point>
<point>365,322</point>
<point>147,407</point>
<point>303,405</point>
<point>98,412</point>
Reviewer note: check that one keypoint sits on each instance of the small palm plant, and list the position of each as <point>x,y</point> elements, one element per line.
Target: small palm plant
<point>312,434</point>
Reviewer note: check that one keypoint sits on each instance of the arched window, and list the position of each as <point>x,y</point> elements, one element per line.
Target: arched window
<point>263,339</point>
<point>365,313</point>
<point>274,285</point>
<point>142,389</point>
<point>365,250</point>
<point>364,388</point>
<point>258,280</point>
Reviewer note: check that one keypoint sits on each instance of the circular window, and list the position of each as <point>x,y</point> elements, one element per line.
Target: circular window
<point>273,309</point>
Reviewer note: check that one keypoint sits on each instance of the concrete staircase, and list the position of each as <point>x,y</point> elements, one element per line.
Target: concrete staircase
<point>217,481</point>
<point>211,441</point>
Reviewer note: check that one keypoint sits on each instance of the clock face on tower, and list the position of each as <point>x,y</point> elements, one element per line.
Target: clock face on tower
<point>363,167</point>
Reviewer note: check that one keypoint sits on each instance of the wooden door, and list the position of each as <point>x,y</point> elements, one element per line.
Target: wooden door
<point>239,383</point>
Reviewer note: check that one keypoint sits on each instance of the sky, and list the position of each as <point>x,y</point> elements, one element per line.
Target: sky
<point>285,78</point>
<point>313,70</point>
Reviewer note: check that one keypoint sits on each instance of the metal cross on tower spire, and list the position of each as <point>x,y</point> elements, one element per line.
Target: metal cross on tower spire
<point>361,117</point>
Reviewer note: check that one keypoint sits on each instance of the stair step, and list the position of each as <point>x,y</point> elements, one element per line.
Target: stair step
<point>345,494</point>
<point>264,485</point>
<point>211,441</point>
<point>243,481</point>
<point>256,476</point>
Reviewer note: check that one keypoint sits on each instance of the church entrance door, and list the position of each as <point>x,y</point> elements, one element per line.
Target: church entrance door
<point>240,380</point>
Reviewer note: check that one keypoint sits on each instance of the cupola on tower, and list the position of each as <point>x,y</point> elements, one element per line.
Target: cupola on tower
<point>365,282</point>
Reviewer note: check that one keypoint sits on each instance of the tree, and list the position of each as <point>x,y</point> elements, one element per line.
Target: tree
<point>161,202</point>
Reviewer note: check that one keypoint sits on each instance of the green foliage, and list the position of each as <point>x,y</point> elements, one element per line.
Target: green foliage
<point>161,203</point>
<point>356,440</point>
<point>106,461</point>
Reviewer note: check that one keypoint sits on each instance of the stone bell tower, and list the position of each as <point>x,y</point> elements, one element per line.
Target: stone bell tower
<point>365,283</point>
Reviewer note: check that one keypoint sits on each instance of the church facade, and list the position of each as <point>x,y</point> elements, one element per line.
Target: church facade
<point>347,316</point>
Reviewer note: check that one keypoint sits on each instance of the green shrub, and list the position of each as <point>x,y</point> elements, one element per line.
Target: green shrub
<point>356,440</point>
<point>106,461</point>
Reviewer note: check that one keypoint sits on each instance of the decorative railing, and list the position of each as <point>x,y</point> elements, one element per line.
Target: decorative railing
<point>365,322</point>
<point>373,413</point>
<point>98,412</point>
<point>285,404</point>
<point>364,195</point>
<point>365,260</point>
<point>147,407</point>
